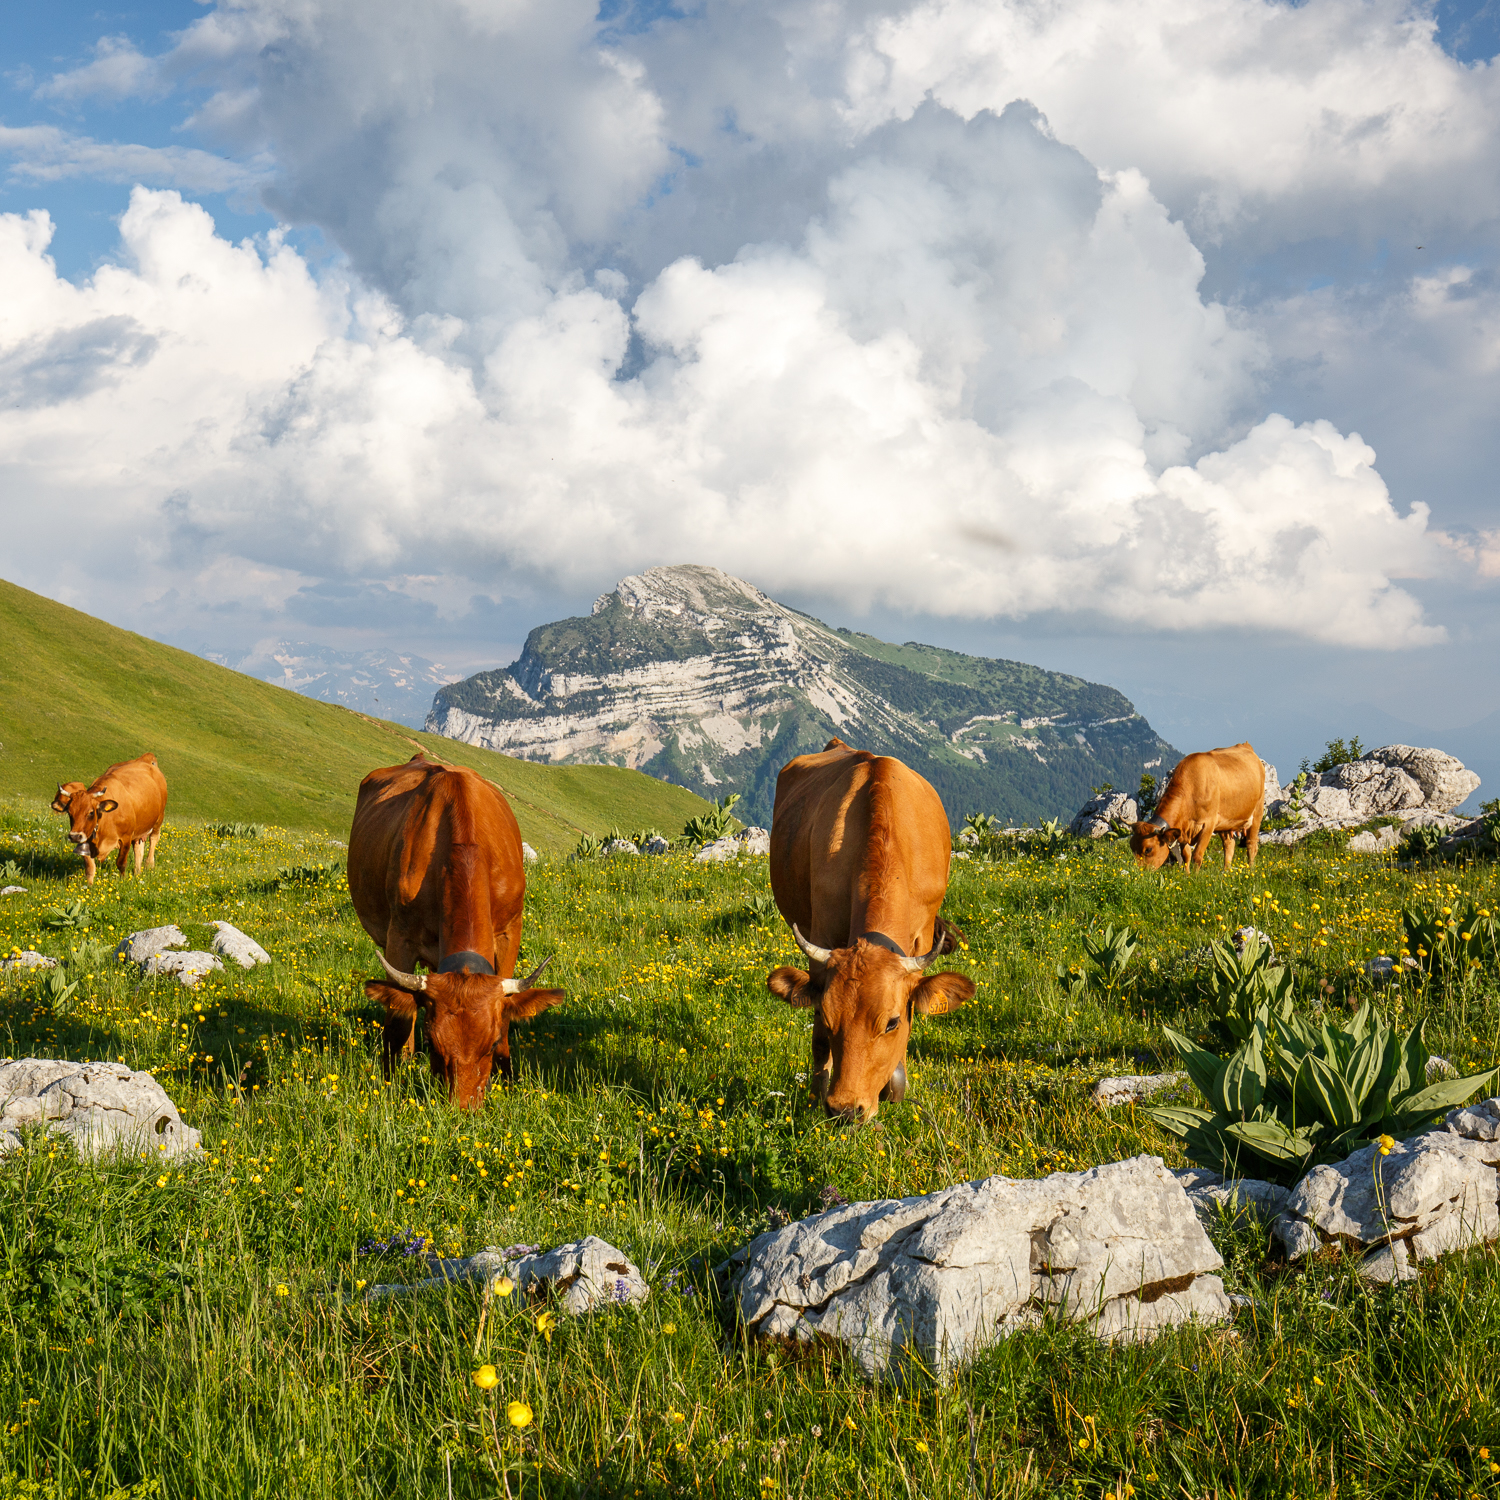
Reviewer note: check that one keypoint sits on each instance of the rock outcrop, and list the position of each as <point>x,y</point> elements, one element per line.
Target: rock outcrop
<point>99,1106</point>
<point>1420,787</point>
<point>1097,817</point>
<point>732,845</point>
<point>695,676</point>
<point>923,1284</point>
<point>157,950</point>
<point>1109,1093</point>
<point>583,1275</point>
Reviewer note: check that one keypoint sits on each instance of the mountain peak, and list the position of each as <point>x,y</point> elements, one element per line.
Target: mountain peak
<point>696,676</point>
<point>701,593</point>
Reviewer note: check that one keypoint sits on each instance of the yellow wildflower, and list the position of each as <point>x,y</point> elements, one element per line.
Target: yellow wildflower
<point>486,1377</point>
<point>518,1414</point>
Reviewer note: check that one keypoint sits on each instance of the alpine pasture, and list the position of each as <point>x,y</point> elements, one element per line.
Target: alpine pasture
<point>198,1330</point>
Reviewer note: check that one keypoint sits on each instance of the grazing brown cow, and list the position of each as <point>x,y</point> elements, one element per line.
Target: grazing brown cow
<point>1209,792</point>
<point>859,867</point>
<point>435,874</point>
<point>123,809</point>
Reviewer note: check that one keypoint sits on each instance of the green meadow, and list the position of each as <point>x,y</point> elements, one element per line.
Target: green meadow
<point>195,1328</point>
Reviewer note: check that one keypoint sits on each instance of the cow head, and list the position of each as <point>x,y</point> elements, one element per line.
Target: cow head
<point>1154,842</point>
<point>863,1000</point>
<point>467,1020</point>
<point>83,809</point>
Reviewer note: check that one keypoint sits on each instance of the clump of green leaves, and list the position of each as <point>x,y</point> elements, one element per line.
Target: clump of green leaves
<point>71,914</point>
<point>10,870</point>
<point>309,874</point>
<point>1336,753</point>
<point>588,847</point>
<point>706,827</point>
<point>1241,982</point>
<point>1451,940</point>
<point>1107,957</point>
<point>236,830</point>
<point>643,836</point>
<point>1296,1092</point>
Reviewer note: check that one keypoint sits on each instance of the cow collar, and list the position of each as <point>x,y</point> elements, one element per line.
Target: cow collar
<point>880,940</point>
<point>465,961</point>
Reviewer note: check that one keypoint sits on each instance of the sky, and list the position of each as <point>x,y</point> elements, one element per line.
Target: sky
<point>1155,342</point>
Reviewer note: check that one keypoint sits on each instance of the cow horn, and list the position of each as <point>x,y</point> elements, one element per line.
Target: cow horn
<point>515,986</point>
<point>817,954</point>
<point>919,962</point>
<point>416,982</point>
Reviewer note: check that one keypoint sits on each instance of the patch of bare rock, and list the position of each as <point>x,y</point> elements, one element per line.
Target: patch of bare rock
<point>157,951</point>
<point>99,1106</point>
<point>922,1285</point>
<point>583,1275</point>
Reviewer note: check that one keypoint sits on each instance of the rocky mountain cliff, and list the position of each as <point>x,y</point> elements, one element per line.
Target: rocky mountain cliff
<point>699,678</point>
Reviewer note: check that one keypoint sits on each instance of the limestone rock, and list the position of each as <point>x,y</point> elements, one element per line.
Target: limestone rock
<point>1445,781</point>
<point>1273,792</point>
<point>1110,1092</point>
<point>732,845</point>
<point>1213,1197</point>
<point>620,846</point>
<point>30,959</point>
<point>239,946</point>
<point>656,844</point>
<point>754,840</point>
<point>97,1105</point>
<point>528,854</point>
<point>188,967</point>
<point>1376,841</point>
<point>1241,936</point>
<point>13,890</point>
<point>924,1284</point>
<point>584,1275</point>
<point>1096,818</point>
<point>146,944</point>
<point>1435,1192</point>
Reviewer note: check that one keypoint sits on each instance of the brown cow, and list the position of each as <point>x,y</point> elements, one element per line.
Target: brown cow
<point>859,864</point>
<point>1209,792</point>
<point>435,874</point>
<point>124,808</point>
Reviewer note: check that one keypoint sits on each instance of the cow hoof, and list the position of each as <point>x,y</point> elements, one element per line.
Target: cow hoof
<point>895,1091</point>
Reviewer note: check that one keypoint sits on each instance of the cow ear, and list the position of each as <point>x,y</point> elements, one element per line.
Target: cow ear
<point>793,987</point>
<point>531,1003</point>
<point>397,1002</point>
<point>108,804</point>
<point>940,993</point>
<point>1145,830</point>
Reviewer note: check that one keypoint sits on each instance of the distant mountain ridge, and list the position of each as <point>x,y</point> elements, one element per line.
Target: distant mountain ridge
<point>388,684</point>
<point>699,678</point>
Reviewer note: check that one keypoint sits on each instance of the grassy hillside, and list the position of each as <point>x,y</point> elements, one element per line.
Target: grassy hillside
<point>194,1327</point>
<point>77,695</point>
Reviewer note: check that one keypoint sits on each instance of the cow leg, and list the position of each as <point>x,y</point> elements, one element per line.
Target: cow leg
<point>1252,839</point>
<point>140,853</point>
<point>122,858</point>
<point>1228,839</point>
<point>89,868</point>
<point>1199,848</point>
<point>151,849</point>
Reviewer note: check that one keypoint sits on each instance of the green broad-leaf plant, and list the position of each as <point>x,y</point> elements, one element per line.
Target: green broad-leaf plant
<point>1296,1091</point>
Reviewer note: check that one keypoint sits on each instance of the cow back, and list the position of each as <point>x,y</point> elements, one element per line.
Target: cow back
<point>1223,788</point>
<point>140,789</point>
<point>859,842</point>
<point>417,827</point>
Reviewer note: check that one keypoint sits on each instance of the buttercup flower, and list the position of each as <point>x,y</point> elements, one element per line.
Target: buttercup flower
<point>486,1377</point>
<point>518,1414</point>
<point>1386,1142</point>
<point>504,1287</point>
<point>545,1323</point>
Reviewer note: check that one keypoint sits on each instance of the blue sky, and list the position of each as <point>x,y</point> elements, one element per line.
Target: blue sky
<point>1172,365</point>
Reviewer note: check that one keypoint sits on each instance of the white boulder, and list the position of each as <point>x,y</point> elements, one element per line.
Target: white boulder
<point>242,948</point>
<point>1110,1092</point>
<point>188,967</point>
<point>656,844</point>
<point>100,1106</point>
<point>924,1284</point>
<point>528,854</point>
<point>30,959</point>
<point>1097,817</point>
<point>584,1275</point>
<point>142,946</point>
<point>13,890</point>
<point>620,846</point>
